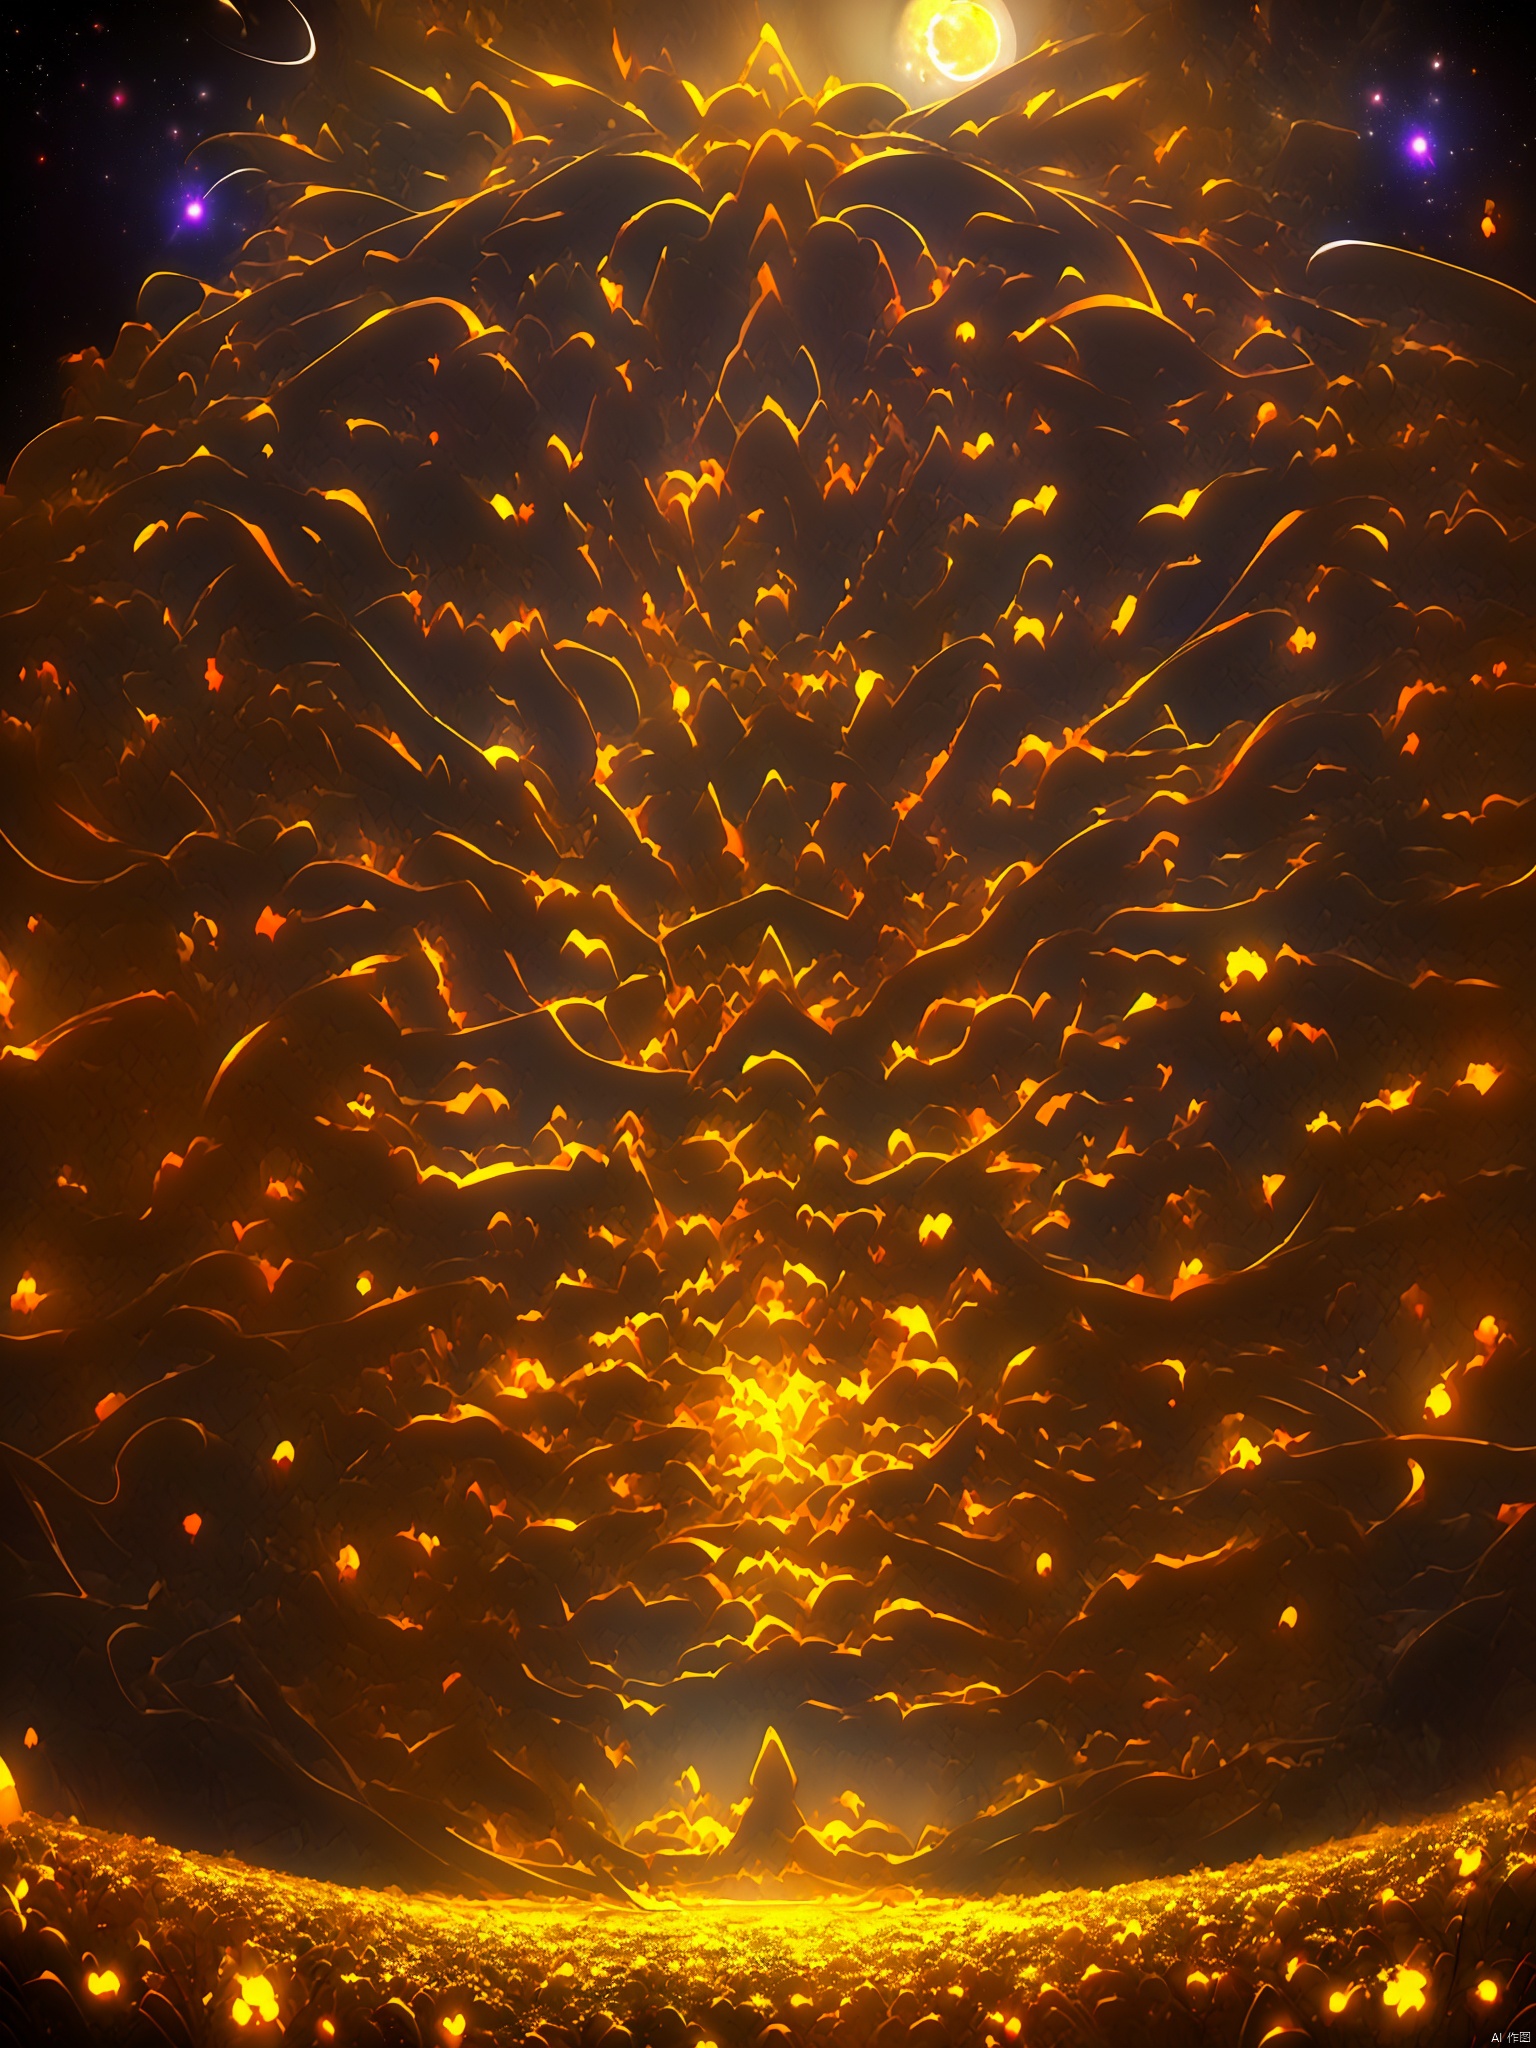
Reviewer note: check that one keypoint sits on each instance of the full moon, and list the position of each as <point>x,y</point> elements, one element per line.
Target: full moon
<point>945,43</point>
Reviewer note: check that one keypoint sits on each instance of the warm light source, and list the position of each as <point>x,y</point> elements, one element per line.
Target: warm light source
<point>946,43</point>
<point>256,2000</point>
<point>1404,1991</point>
<point>26,1297</point>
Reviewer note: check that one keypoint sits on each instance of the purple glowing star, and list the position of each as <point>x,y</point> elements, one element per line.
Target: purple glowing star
<point>194,209</point>
<point>1420,151</point>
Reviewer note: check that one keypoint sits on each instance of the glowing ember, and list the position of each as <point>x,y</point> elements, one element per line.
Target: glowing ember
<point>1243,960</point>
<point>718,828</point>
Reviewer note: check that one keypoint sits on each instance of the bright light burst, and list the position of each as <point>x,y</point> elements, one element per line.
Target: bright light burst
<point>947,43</point>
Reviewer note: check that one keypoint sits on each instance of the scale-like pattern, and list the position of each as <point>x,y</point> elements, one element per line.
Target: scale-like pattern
<point>767,964</point>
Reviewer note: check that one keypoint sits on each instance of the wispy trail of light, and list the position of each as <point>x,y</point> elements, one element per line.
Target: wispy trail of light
<point>285,63</point>
<point>238,171</point>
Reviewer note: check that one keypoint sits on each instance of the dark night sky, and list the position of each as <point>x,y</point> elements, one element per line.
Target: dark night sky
<point>103,99</point>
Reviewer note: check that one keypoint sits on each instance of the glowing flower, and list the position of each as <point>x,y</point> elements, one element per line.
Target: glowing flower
<point>26,1297</point>
<point>1405,1989</point>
